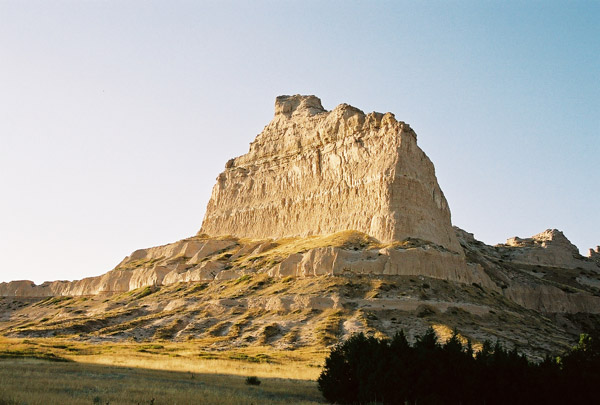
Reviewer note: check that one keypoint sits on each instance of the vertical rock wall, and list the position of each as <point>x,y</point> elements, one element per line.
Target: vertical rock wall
<point>313,171</point>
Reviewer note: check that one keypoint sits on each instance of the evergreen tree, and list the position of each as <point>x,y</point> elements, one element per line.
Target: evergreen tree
<point>369,370</point>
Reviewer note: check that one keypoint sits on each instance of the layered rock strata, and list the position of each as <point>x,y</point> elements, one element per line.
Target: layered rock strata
<point>545,272</point>
<point>548,248</point>
<point>310,172</point>
<point>204,258</point>
<point>531,285</point>
<point>316,172</point>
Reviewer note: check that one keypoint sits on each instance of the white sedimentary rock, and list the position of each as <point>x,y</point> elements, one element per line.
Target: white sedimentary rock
<point>548,248</point>
<point>316,172</point>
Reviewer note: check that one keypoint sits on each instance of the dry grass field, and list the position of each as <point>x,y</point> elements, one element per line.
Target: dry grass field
<point>62,371</point>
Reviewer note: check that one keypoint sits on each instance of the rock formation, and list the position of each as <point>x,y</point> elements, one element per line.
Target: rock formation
<point>548,248</point>
<point>317,172</point>
<point>332,223</point>
<point>298,292</point>
<point>544,272</point>
<point>594,254</point>
<point>203,258</point>
<point>344,193</point>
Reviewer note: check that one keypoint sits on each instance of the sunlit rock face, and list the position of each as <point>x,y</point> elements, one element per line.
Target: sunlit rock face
<point>316,172</point>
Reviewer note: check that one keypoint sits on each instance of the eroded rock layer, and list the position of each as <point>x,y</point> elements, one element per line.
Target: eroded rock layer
<point>233,292</point>
<point>548,248</point>
<point>317,172</point>
<point>203,258</point>
<point>515,270</point>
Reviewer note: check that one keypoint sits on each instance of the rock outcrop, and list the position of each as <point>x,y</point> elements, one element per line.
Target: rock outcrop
<point>548,248</point>
<point>545,272</point>
<point>317,172</point>
<point>203,258</point>
<point>594,254</point>
<point>546,288</point>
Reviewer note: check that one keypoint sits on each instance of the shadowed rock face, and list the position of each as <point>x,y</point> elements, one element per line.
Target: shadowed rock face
<point>594,254</point>
<point>317,172</point>
<point>548,248</point>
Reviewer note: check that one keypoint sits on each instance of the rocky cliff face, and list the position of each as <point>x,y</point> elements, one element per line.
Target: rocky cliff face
<point>317,172</point>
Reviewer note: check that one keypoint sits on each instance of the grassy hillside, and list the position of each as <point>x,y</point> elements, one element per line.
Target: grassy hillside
<point>290,315</point>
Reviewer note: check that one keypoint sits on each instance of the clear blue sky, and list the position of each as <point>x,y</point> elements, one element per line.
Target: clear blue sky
<point>117,116</point>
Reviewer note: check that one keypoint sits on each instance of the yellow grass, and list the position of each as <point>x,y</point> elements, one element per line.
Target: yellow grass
<point>174,356</point>
<point>283,248</point>
<point>444,332</point>
<point>40,382</point>
<point>137,372</point>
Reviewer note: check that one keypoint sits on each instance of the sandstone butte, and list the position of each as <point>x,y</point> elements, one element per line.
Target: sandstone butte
<point>342,192</point>
<point>316,172</point>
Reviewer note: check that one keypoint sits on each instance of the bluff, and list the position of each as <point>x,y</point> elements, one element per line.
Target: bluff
<point>332,176</point>
<point>317,172</point>
<point>332,223</point>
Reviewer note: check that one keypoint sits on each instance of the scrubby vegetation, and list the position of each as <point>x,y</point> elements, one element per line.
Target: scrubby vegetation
<point>252,380</point>
<point>290,313</point>
<point>370,370</point>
